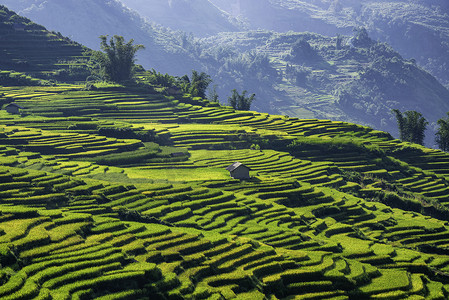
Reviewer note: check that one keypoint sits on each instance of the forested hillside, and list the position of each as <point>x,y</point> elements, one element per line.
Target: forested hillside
<point>417,29</point>
<point>342,78</point>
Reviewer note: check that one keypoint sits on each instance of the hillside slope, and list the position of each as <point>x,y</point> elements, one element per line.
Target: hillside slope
<point>417,29</point>
<point>333,210</point>
<point>28,47</point>
<point>346,78</point>
<point>85,21</point>
<point>357,84</point>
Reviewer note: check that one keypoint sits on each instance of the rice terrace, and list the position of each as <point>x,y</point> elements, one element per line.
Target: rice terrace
<point>121,191</point>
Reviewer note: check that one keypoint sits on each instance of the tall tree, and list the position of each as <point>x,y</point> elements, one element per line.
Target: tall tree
<point>213,94</point>
<point>117,61</point>
<point>442,135</point>
<point>197,84</point>
<point>241,102</point>
<point>412,126</point>
<point>401,124</point>
<point>200,82</point>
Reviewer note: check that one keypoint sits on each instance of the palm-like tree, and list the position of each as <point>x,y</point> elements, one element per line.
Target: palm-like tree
<point>442,135</point>
<point>199,83</point>
<point>412,126</point>
<point>117,60</point>
<point>241,102</point>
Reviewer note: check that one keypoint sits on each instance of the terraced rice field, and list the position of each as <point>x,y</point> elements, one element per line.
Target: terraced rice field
<point>333,210</point>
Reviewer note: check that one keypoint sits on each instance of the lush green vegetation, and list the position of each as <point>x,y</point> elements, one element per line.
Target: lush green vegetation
<point>442,135</point>
<point>122,193</point>
<point>196,85</point>
<point>117,61</point>
<point>333,210</point>
<point>241,102</point>
<point>412,126</point>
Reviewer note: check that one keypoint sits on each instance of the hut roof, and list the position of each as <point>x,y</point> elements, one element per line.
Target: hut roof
<point>16,105</point>
<point>236,165</point>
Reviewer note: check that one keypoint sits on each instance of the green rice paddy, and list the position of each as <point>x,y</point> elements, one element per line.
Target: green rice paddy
<point>121,194</point>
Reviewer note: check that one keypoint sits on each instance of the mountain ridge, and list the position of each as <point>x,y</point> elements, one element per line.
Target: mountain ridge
<point>116,19</point>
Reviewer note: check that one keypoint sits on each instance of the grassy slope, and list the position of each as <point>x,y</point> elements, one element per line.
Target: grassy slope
<point>345,212</point>
<point>84,21</point>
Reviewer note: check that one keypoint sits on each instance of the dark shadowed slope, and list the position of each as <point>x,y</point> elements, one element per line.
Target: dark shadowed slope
<point>86,20</point>
<point>28,47</point>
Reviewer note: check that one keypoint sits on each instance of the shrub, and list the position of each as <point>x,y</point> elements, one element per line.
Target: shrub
<point>128,133</point>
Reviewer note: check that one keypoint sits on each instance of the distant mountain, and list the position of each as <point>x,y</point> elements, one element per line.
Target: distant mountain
<point>417,29</point>
<point>282,16</point>
<point>308,75</point>
<point>200,17</point>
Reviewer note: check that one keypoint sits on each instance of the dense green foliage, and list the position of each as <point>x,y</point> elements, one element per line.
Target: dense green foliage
<point>117,61</point>
<point>196,85</point>
<point>442,135</point>
<point>8,78</point>
<point>240,102</point>
<point>412,126</point>
<point>156,78</point>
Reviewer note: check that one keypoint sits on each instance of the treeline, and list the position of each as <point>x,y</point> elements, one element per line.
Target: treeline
<point>412,126</point>
<point>116,63</point>
<point>197,86</point>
